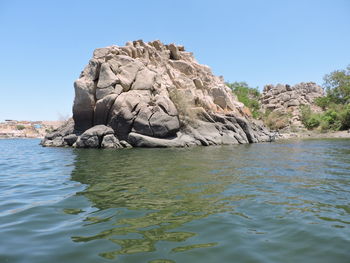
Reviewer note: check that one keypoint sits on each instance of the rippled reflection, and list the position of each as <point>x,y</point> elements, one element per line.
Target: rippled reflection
<point>145,198</point>
<point>168,188</point>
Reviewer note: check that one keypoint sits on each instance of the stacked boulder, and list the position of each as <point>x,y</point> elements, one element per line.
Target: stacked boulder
<point>153,95</point>
<point>289,99</point>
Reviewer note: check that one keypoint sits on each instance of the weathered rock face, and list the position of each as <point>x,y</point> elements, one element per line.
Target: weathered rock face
<point>288,99</point>
<point>155,95</point>
<point>63,136</point>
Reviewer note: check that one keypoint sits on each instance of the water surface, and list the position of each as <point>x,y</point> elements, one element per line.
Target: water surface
<point>281,202</point>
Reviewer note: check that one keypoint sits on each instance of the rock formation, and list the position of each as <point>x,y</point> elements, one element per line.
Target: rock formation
<point>153,95</point>
<point>287,99</point>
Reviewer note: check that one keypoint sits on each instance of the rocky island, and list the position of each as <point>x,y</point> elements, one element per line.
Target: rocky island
<point>153,95</point>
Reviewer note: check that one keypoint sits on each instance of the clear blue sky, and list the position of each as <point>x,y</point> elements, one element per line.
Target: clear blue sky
<point>45,44</point>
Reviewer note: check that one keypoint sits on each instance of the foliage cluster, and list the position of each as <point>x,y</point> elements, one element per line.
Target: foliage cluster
<point>247,95</point>
<point>336,104</point>
<point>336,118</point>
<point>20,127</point>
<point>337,86</point>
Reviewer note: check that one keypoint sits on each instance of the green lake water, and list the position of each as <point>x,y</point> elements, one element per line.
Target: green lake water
<point>274,202</point>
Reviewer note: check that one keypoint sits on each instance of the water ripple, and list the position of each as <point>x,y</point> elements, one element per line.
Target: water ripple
<point>280,202</point>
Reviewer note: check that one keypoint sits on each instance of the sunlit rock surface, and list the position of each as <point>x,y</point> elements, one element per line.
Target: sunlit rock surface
<point>153,95</point>
<point>288,100</point>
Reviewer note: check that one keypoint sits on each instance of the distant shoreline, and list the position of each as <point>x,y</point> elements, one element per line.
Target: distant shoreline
<point>315,135</point>
<point>13,129</point>
<point>20,137</point>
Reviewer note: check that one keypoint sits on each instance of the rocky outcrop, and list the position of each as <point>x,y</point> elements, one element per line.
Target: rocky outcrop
<point>154,95</point>
<point>286,99</point>
<point>63,136</point>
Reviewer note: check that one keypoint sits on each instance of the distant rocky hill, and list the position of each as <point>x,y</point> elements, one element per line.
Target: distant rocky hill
<point>153,95</point>
<point>286,101</point>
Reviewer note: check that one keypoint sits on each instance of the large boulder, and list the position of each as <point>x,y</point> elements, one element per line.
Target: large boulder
<point>181,140</point>
<point>154,95</point>
<point>162,124</point>
<point>107,77</point>
<point>92,138</point>
<point>144,80</point>
<point>103,108</point>
<point>84,103</point>
<point>110,141</point>
<point>127,73</point>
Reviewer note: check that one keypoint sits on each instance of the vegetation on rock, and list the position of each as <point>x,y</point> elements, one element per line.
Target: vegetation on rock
<point>337,85</point>
<point>335,105</point>
<point>276,120</point>
<point>248,96</point>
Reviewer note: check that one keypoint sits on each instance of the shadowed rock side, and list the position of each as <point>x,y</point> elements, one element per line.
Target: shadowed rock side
<point>153,95</point>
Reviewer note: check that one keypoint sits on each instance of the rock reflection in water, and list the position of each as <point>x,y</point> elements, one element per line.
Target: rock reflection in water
<point>167,187</point>
<point>204,203</point>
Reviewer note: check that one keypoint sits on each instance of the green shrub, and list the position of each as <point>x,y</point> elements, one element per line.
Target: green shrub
<point>323,102</point>
<point>248,96</point>
<point>313,122</point>
<point>336,118</point>
<point>332,118</point>
<point>309,119</point>
<point>20,127</point>
<point>344,116</point>
<point>324,126</point>
<point>305,113</point>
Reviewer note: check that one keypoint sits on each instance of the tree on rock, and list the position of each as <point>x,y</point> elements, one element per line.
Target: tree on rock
<point>337,85</point>
<point>247,95</point>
